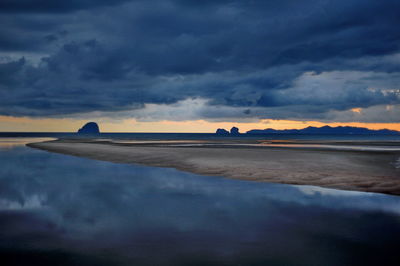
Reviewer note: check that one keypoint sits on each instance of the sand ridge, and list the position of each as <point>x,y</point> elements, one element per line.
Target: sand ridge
<point>348,170</point>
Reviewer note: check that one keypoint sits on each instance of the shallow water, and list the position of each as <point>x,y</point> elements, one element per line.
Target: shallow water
<point>63,210</point>
<point>302,146</point>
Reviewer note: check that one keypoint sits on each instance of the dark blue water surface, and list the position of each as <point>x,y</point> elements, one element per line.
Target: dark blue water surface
<point>63,210</point>
<point>205,136</point>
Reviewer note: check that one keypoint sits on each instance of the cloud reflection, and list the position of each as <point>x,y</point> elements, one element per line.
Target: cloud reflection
<point>127,214</point>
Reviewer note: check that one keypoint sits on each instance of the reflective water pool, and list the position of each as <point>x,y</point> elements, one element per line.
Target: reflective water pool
<point>64,210</point>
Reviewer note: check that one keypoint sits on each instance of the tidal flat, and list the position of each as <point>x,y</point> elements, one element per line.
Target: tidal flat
<point>369,166</point>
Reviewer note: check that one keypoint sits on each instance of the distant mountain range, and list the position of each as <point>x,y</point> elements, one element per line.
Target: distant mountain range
<point>326,130</point>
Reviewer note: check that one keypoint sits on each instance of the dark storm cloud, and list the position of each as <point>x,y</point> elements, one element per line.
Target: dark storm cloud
<point>49,6</point>
<point>111,56</point>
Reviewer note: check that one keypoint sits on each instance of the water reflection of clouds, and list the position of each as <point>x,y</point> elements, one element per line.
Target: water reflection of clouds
<point>66,179</point>
<point>29,203</point>
<point>138,211</point>
<point>397,163</point>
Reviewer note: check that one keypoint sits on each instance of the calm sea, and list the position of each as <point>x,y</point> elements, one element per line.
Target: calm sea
<point>203,136</point>
<point>64,210</point>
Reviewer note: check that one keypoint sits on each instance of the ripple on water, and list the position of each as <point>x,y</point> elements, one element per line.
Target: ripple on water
<point>397,163</point>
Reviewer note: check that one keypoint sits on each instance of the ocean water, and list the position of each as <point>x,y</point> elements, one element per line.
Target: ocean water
<point>64,210</point>
<point>204,136</point>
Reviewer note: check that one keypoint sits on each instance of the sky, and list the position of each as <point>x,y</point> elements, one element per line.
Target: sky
<point>196,65</point>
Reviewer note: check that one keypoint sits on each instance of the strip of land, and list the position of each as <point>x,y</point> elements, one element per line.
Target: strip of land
<point>371,171</point>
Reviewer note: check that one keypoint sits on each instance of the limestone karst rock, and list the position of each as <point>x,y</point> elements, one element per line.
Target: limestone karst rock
<point>89,128</point>
<point>221,131</point>
<point>234,131</point>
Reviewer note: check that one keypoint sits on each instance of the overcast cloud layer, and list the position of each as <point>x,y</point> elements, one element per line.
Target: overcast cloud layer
<point>290,59</point>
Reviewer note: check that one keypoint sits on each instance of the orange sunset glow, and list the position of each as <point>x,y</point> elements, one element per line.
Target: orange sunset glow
<point>25,124</point>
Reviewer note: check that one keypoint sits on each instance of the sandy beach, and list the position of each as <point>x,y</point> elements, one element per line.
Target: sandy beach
<point>367,170</point>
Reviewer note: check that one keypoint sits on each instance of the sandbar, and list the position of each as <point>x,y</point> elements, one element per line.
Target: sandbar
<point>369,171</point>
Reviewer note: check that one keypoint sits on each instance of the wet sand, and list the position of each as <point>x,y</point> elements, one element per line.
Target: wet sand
<point>371,171</point>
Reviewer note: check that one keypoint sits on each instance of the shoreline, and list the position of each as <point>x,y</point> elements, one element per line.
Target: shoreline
<point>369,171</point>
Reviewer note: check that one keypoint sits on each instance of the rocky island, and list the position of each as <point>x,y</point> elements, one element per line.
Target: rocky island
<point>89,128</point>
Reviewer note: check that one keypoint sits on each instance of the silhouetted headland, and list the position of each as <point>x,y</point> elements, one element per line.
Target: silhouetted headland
<point>326,130</point>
